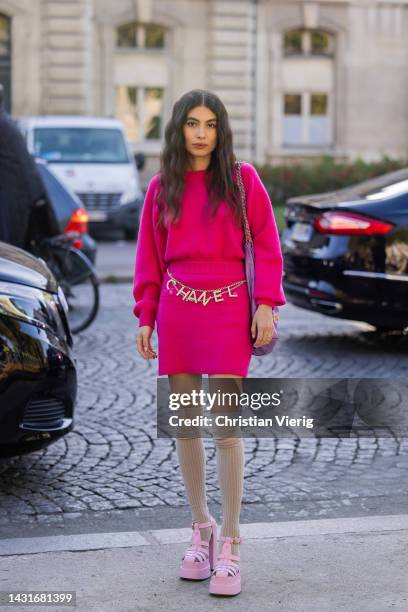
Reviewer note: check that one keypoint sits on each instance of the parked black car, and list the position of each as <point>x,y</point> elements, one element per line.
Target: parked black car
<point>38,382</point>
<point>346,251</point>
<point>68,209</point>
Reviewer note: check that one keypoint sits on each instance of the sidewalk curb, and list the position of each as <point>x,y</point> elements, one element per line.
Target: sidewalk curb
<point>249,531</point>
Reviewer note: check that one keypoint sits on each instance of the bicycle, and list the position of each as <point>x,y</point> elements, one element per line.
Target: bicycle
<point>76,276</point>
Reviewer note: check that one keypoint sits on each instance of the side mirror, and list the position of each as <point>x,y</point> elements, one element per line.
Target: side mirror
<point>140,160</point>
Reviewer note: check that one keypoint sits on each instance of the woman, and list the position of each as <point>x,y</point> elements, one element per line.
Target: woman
<point>190,279</point>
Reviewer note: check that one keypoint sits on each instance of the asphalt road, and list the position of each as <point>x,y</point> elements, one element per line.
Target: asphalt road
<point>115,258</point>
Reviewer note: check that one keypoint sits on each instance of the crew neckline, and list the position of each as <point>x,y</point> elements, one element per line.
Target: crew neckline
<point>196,171</point>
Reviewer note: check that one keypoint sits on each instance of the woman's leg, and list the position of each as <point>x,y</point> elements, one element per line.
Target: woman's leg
<point>230,459</point>
<point>191,455</point>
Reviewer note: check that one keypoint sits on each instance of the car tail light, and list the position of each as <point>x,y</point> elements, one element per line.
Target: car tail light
<point>345,223</point>
<point>78,224</point>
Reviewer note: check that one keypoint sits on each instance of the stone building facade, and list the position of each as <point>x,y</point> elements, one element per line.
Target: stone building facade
<point>299,78</point>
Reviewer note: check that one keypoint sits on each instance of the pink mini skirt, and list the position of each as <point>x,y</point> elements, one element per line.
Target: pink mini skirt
<point>210,339</point>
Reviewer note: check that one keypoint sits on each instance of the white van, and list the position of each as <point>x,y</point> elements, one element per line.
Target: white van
<point>91,155</point>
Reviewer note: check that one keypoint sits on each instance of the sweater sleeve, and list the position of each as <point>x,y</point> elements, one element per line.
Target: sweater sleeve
<point>148,273</point>
<point>268,255</point>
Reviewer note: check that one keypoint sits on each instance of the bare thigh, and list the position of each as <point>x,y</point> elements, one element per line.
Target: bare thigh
<point>187,383</point>
<point>231,386</point>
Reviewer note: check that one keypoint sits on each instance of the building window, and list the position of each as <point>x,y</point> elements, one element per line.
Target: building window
<point>306,119</point>
<point>293,42</point>
<point>140,36</point>
<point>5,59</point>
<point>153,105</point>
<point>127,35</point>
<point>308,42</point>
<point>154,36</point>
<point>320,43</point>
<point>293,120</point>
<point>141,111</point>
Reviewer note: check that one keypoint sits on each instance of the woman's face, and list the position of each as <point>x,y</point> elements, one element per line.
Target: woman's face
<point>200,132</point>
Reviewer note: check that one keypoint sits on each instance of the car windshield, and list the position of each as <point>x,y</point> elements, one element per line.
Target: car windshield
<point>80,145</point>
<point>61,200</point>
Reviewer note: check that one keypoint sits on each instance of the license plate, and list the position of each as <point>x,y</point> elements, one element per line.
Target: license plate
<point>97,215</point>
<point>302,232</point>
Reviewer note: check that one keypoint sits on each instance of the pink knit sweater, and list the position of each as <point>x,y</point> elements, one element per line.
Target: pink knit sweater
<point>197,237</point>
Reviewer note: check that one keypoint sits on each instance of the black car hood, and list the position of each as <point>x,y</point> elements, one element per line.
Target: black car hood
<point>18,266</point>
<point>329,197</point>
<point>353,194</point>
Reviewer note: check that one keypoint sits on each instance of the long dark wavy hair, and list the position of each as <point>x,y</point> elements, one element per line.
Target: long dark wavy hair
<point>174,160</point>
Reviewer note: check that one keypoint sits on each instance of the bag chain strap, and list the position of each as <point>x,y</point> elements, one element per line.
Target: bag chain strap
<point>248,237</point>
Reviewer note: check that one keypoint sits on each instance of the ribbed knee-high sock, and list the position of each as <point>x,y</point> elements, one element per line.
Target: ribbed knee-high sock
<point>230,470</point>
<point>192,457</point>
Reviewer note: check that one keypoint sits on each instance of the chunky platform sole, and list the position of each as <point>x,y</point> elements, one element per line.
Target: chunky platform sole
<point>226,578</point>
<point>225,586</point>
<point>195,573</point>
<point>200,570</point>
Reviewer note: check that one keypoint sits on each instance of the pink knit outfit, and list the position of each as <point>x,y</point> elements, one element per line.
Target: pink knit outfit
<point>205,253</point>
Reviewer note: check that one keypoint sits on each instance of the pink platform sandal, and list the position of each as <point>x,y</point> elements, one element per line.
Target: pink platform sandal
<point>198,560</point>
<point>226,577</point>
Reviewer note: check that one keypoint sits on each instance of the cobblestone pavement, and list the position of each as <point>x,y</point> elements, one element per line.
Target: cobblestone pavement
<point>112,461</point>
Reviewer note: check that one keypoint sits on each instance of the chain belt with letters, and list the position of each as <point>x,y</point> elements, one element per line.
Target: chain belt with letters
<point>201,296</point>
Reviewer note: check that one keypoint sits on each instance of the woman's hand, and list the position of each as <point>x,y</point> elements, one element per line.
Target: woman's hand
<point>143,342</point>
<point>262,325</point>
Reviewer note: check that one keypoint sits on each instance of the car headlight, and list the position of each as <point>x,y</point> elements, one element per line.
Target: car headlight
<point>32,306</point>
<point>130,195</point>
